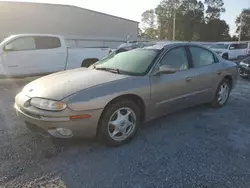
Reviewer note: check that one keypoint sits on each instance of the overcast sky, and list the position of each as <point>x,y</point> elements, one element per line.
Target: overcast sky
<point>132,9</point>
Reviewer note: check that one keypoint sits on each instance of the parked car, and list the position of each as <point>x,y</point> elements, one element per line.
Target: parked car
<point>114,96</point>
<point>36,54</point>
<point>244,70</point>
<point>231,50</point>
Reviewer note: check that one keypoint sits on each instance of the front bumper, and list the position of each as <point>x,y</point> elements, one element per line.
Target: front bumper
<point>47,122</point>
<point>244,71</point>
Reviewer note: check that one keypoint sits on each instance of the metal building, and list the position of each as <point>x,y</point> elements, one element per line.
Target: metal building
<point>66,20</point>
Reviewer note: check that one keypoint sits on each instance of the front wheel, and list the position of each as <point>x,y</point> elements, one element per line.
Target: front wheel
<point>222,94</point>
<point>119,122</point>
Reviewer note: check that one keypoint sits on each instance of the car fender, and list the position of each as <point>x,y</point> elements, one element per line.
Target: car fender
<point>99,96</point>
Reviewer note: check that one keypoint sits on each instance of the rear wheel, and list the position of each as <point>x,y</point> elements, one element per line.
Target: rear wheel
<point>119,123</point>
<point>88,62</point>
<point>222,94</point>
<point>225,56</point>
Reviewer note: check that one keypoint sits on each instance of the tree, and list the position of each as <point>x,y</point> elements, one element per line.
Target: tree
<point>234,38</point>
<point>189,16</point>
<point>165,13</point>
<point>149,25</point>
<point>245,30</point>
<point>189,20</point>
<point>218,31</point>
<point>148,18</point>
<point>150,33</point>
<point>140,33</point>
<point>214,9</point>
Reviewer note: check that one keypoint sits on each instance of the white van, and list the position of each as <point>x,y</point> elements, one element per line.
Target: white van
<point>38,54</point>
<point>231,50</point>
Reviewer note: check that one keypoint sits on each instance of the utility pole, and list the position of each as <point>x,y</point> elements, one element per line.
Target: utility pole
<point>174,26</point>
<point>241,21</point>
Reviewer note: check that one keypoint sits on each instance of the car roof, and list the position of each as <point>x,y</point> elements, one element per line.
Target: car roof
<point>157,45</point>
<point>165,44</point>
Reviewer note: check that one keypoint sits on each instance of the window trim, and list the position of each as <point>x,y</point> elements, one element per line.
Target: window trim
<point>191,56</point>
<point>12,40</point>
<point>158,61</point>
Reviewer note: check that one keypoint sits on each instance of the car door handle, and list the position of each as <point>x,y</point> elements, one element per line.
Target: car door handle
<point>188,79</point>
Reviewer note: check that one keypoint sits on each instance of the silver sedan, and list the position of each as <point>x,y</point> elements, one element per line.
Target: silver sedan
<point>112,98</point>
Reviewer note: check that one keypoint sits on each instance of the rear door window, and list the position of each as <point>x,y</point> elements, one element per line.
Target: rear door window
<point>239,46</point>
<point>201,57</point>
<point>242,46</point>
<point>43,42</point>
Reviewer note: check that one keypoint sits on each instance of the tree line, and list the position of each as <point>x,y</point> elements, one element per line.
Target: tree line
<point>194,21</point>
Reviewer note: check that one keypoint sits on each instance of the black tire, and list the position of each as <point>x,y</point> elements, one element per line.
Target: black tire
<point>215,103</point>
<point>103,128</point>
<point>225,56</point>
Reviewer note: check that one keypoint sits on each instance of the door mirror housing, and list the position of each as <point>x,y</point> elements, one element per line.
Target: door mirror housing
<point>8,47</point>
<point>165,69</point>
<point>231,48</point>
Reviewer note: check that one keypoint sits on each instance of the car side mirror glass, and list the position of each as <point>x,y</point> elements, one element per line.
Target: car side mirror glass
<point>8,47</point>
<point>165,69</point>
<point>231,48</point>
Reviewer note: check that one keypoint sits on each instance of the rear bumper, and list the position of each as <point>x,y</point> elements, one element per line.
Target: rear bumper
<point>84,128</point>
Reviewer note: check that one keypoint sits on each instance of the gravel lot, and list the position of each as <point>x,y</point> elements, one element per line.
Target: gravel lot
<point>198,147</point>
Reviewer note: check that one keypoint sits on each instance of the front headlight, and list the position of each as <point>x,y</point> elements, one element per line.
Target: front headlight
<point>47,104</point>
<point>244,64</point>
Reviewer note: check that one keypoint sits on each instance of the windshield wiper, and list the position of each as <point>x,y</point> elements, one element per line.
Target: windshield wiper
<point>108,69</point>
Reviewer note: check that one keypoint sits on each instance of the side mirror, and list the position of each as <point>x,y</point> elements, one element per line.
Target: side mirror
<point>231,48</point>
<point>164,69</point>
<point>8,47</point>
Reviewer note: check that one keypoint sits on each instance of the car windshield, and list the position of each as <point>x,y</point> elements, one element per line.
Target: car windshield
<point>219,46</point>
<point>134,62</point>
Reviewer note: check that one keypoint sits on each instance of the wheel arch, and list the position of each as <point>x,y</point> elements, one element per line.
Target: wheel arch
<point>133,97</point>
<point>230,79</point>
<point>88,61</point>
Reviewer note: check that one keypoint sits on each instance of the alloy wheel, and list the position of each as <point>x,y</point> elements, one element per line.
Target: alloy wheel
<point>121,124</point>
<point>223,93</point>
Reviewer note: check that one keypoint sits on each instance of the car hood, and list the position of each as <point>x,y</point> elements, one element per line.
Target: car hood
<point>60,85</point>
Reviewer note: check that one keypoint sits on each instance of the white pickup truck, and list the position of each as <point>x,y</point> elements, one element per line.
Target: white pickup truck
<point>231,50</point>
<point>38,54</point>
